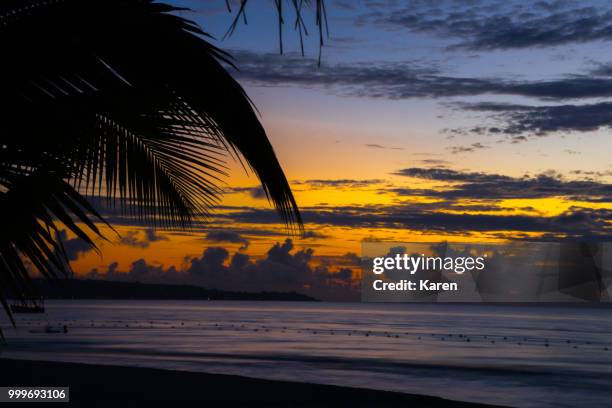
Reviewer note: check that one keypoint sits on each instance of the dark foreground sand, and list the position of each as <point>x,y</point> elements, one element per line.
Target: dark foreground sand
<point>113,386</point>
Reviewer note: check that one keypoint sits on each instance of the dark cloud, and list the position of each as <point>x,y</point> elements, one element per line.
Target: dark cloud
<point>404,80</point>
<point>468,149</point>
<point>378,146</point>
<point>73,247</point>
<point>604,70</point>
<point>141,238</point>
<point>449,175</point>
<point>339,183</point>
<point>227,236</point>
<point>484,186</point>
<point>311,234</point>
<point>140,271</point>
<point>499,24</point>
<point>282,269</point>
<point>592,173</point>
<point>469,203</point>
<point>521,120</point>
<point>152,236</point>
<point>345,5</point>
<point>255,192</point>
<point>571,87</point>
<point>577,222</point>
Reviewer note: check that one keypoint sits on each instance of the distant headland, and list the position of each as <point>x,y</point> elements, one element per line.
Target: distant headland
<point>100,289</point>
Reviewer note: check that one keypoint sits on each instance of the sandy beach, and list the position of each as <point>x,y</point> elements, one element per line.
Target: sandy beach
<point>114,386</point>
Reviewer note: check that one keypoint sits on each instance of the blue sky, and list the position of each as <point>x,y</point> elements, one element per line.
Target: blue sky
<point>564,41</point>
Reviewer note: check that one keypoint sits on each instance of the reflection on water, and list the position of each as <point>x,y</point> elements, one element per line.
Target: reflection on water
<point>511,355</point>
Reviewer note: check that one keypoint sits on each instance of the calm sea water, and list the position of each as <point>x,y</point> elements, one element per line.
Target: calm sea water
<point>543,356</point>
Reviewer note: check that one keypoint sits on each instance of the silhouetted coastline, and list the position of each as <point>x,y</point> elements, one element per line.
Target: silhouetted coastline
<point>99,289</point>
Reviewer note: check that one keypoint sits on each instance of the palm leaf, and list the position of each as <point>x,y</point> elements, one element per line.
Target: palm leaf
<point>299,24</point>
<point>34,203</point>
<point>120,99</point>
<point>144,112</point>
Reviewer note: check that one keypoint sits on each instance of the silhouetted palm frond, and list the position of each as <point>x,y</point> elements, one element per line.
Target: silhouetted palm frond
<point>110,81</point>
<point>121,99</point>
<point>299,24</point>
<point>31,206</point>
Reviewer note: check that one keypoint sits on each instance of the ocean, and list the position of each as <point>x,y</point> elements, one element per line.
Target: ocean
<point>527,356</point>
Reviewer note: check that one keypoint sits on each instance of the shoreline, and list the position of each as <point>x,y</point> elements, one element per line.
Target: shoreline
<point>117,386</point>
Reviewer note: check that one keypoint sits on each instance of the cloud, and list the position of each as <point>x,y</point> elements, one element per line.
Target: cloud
<point>485,186</point>
<point>498,24</point>
<point>310,234</point>
<point>73,247</point>
<point>602,69</point>
<point>468,203</point>
<point>282,269</point>
<point>405,80</point>
<point>141,238</point>
<point>339,183</point>
<point>378,146</point>
<point>151,235</point>
<point>449,175</point>
<point>578,222</point>
<point>227,236</point>
<point>592,173</point>
<point>468,149</point>
<point>344,5</point>
<point>140,271</point>
<point>255,192</point>
<point>131,238</point>
<point>521,120</point>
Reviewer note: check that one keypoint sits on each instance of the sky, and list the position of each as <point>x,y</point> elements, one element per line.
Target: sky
<point>431,121</point>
